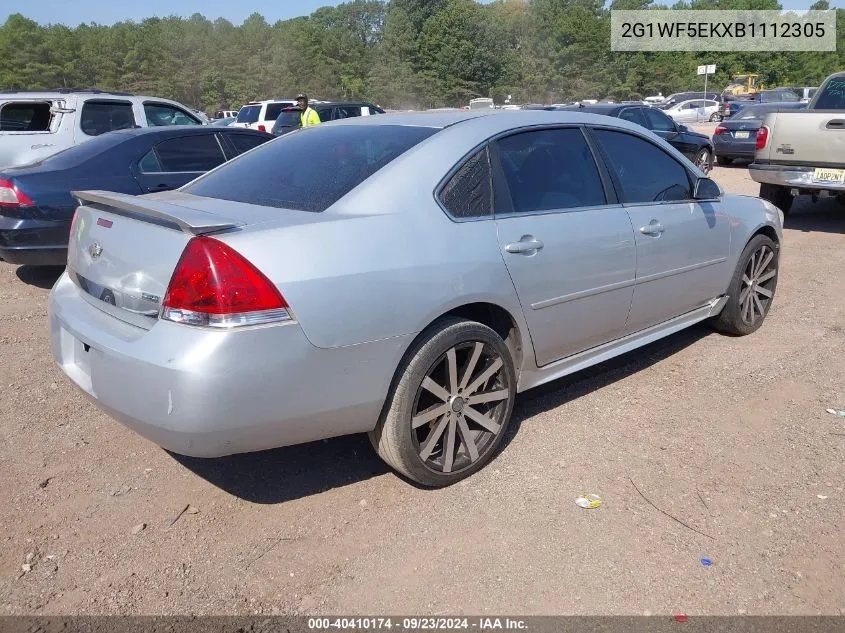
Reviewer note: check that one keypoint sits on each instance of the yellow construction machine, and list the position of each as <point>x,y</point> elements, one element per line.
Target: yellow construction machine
<point>743,85</point>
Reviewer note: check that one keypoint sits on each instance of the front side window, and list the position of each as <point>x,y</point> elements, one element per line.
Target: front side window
<point>657,121</point>
<point>645,172</point>
<point>196,153</point>
<point>99,117</point>
<point>550,169</point>
<point>159,114</point>
<point>469,192</point>
<point>25,116</point>
<point>338,160</point>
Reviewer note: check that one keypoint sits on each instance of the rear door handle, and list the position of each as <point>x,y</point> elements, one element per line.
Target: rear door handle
<point>158,188</point>
<point>525,246</point>
<point>836,124</point>
<point>653,228</point>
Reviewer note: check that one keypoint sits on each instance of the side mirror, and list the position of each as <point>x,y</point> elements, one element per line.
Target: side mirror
<point>706,189</point>
<point>683,128</point>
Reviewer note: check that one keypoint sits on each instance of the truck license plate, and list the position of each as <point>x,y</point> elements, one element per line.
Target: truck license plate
<point>743,134</point>
<point>836,176</point>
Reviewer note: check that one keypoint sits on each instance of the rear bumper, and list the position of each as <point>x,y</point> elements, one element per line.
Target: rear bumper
<point>733,149</point>
<point>790,176</point>
<point>34,241</point>
<point>209,394</point>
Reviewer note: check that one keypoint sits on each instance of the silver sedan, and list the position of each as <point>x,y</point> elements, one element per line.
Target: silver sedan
<point>402,275</point>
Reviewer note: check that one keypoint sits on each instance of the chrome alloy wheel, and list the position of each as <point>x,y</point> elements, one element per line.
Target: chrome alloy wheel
<point>758,281</point>
<point>459,408</point>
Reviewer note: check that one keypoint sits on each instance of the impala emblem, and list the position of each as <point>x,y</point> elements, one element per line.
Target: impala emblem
<point>95,250</point>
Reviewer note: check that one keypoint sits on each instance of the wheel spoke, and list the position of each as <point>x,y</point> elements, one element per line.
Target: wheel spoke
<point>746,308</point>
<point>467,439</point>
<point>759,306</point>
<point>427,416</point>
<point>746,280</point>
<point>744,295</point>
<point>452,361</point>
<point>473,361</point>
<point>762,291</point>
<point>490,396</point>
<point>481,419</point>
<point>765,277</point>
<point>449,455</point>
<point>752,265</point>
<point>766,256</point>
<point>436,389</point>
<point>484,377</point>
<point>433,437</point>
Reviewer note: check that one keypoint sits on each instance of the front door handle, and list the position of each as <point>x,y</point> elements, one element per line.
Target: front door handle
<point>159,188</point>
<point>526,246</point>
<point>653,228</point>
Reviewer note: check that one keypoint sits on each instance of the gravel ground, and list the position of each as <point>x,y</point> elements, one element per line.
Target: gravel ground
<point>728,435</point>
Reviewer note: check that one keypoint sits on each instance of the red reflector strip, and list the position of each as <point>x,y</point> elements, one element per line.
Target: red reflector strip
<point>104,223</point>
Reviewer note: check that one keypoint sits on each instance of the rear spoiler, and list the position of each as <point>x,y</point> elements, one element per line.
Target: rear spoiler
<point>156,212</point>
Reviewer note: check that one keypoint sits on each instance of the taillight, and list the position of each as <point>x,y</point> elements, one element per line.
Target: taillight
<point>720,130</point>
<point>762,137</point>
<point>11,196</point>
<point>215,286</point>
<point>261,128</point>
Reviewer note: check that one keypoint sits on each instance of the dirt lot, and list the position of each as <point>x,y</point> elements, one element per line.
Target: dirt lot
<point>728,435</point>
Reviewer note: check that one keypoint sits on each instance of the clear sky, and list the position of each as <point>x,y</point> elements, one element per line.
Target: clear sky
<point>73,12</point>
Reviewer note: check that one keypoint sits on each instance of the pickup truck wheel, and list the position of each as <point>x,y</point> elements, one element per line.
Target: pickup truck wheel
<point>450,406</point>
<point>777,195</point>
<point>724,160</point>
<point>752,288</point>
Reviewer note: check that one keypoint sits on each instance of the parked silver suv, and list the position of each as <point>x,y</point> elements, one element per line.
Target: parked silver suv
<point>34,125</point>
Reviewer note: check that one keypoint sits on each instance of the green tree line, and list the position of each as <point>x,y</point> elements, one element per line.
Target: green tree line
<point>400,54</point>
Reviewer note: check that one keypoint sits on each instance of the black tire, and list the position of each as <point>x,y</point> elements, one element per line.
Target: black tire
<point>777,195</point>
<point>402,447</point>
<point>704,160</point>
<point>724,160</point>
<point>715,117</point>
<point>734,318</point>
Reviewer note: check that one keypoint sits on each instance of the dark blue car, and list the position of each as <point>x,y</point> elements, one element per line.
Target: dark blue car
<point>736,137</point>
<point>36,205</point>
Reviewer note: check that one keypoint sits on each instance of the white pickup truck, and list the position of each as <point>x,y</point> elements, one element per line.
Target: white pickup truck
<point>37,124</point>
<point>803,151</point>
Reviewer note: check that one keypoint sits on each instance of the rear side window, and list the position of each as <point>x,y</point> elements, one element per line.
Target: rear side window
<point>633,115</point>
<point>249,114</point>
<point>469,192</point>
<point>99,117</point>
<point>245,142</point>
<point>645,172</point>
<point>338,160</point>
<point>195,153</point>
<point>289,118</point>
<point>346,112</point>
<point>550,169</point>
<point>25,117</point>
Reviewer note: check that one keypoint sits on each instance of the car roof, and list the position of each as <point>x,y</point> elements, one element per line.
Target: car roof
<point>183,130</point>
<point>608,109</point>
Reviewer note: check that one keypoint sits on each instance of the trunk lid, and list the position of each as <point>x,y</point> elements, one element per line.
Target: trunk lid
<point>806,137</point>
<point>123,249</point>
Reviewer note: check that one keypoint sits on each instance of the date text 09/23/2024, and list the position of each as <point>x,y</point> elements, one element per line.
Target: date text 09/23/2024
<point>417,624</point>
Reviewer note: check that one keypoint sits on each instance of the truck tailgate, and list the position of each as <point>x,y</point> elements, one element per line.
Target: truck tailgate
<point>808,138</point>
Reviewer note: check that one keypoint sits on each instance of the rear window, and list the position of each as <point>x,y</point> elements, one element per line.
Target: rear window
<point>274,109</point>
<point>25,117</point>
<point>310,170</point>
<point>832,95</point>
<point>249,114</point>
<point>289,118</point>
